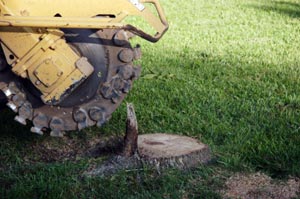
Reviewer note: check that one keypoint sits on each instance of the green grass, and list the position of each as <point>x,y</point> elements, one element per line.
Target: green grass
<point>227,72</point>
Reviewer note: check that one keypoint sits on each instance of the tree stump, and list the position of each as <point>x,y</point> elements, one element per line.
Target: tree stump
<point>168,150</point>
<point>158,150</point>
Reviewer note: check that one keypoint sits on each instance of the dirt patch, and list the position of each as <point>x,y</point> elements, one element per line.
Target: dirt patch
<point>66,148</point>
<point>258,185</point>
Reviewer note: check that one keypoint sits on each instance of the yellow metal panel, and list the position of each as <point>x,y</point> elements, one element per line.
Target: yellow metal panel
<point>42,55</point>
<point>77,14</point>
<point>18,40</point>
<point>48,72</point>
<point>69,8</point>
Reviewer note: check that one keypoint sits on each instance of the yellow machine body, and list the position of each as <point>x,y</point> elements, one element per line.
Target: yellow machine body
<point>35,47</point>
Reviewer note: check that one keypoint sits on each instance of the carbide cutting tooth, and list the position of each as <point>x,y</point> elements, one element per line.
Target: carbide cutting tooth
<point>57,133</point>
<point>82,118</point>
<point>2,85</point>
<point>36,130</point>
<point>80,115</point>
<point>21,120</point>
<point>41,115</point>
<point>12,106</point>
<point>57,127</point>
<point>7,92</point>
<point>19,99</point>
<point>98,114</point>
<point>13,88</point>
<point>81,125</point>
<point>125,72</point>
<point>40,121</point>
<point>100,123</point>
<point>25,111</point>
<point>137,52</point>
<point>121,38</point>
<point>136,72</point>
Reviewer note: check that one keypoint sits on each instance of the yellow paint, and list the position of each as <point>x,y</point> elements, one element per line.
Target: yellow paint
<point>36,49</point>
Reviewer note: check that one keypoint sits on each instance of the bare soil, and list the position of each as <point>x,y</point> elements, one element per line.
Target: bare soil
<point>238,186</point>
<point>72,149</point>
<point>258,185</point>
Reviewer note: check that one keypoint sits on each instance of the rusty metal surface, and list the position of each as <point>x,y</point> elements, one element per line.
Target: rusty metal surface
<point>115,82</point>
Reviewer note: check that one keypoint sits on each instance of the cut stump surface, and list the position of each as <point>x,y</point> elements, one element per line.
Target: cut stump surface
<point>168,150</point>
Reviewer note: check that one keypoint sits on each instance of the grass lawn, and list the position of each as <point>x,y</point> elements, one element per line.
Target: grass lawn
<point>227,72</point>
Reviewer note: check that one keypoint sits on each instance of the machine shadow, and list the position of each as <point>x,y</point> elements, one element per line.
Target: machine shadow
<point>290,9</point>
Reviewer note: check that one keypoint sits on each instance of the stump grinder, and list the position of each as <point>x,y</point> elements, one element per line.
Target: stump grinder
<point>68,64</point>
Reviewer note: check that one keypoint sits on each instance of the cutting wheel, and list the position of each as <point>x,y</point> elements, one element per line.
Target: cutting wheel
<point>93,102</point>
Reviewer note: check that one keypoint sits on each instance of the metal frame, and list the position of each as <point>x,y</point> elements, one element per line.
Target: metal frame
<point>82,14</point>
<point>36,49</point>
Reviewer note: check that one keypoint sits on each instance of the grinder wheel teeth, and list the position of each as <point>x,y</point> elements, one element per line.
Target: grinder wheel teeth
<point>97,109</point>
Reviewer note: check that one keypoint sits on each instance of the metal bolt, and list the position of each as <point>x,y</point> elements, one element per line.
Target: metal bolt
<point>53,46</point>
<point>39,30</point>
<point>60,73</point>
<point>47,61</point>
<point>24,13</point>
<point>24,75</point>
<point>99,74</point>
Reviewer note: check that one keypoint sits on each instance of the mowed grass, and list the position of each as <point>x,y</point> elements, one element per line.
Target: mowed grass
<point>227,73</point>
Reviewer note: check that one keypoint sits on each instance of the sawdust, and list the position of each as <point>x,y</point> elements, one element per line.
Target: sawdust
<point>258,185</point>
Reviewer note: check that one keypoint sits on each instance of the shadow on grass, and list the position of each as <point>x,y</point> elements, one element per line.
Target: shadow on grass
<point>290,9</point>
<point>9,128</point>
<point>248,112</point>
